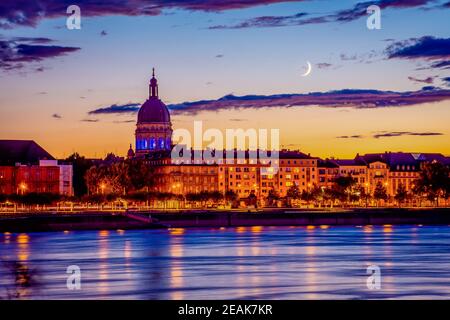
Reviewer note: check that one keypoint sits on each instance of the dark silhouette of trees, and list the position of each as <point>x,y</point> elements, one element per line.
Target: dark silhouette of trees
<point>272,197</point>
<point>120,177</point>
<point>380,192</point>
<point>433,182</point>
<point>401,194</point>
<point>80,166</point>
<point>293,193</point>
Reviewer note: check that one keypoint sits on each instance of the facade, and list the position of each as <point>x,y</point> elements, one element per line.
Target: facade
<point>25,167</point>
<point>250,176</point>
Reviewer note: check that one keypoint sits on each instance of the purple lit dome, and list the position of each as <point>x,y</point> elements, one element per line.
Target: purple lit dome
<point>153,110</point>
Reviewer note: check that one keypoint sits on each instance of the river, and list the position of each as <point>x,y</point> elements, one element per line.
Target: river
<point>228,263</point>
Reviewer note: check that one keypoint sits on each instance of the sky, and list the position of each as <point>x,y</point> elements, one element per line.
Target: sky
<point>233,64</point>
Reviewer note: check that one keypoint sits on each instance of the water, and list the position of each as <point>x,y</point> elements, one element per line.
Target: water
<point>232,263</point>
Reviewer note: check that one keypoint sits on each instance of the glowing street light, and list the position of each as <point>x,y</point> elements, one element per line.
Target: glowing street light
<point>23,187</point>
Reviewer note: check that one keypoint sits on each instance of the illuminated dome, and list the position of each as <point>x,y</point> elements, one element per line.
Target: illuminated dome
<point>153,110</point>
<point>153,128</point>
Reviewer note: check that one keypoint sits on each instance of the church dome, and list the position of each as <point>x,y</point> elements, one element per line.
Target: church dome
<point>153,110</point>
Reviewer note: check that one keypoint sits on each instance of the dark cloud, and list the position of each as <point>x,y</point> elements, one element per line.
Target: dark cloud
<point>323,65</point>
<point>427,47</point>
<point>90,120</point>
<point>445,64</point>
<point>219,56</point>
<point>267,21</point>
<point>29,13</point>
<point>354,98</point>
<point>56,116</point>
<point>357,11</point>
<point>405,133</point>
<point>446,80</point>
<point>16,52</point>
<point>345,57</point>
<point>117,109</point>
<point>125,121</point>
<point>428,80</point>
<point>434,51</point>
<point>357,136</point>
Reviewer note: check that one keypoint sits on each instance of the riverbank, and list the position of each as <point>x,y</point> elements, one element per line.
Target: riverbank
<point>47,221</point>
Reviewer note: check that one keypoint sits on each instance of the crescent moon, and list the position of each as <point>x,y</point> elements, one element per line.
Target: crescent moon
<point>308,71</point>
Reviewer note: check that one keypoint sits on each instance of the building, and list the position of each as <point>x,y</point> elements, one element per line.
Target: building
<point>153,128</point>
<point>246,176</point>
<point>26,167</point>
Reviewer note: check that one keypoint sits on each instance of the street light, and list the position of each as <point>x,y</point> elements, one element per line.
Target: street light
<point>23,187</point>
<point>102,187</point>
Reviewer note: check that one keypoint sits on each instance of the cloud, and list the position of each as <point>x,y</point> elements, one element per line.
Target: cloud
<point>219,56</point>
<point>16,52</point>
<point>117,109</point>
<point>427,47</point>
<point>90,120</point>
<point>56,116</point>
<point>125,121</point>
<point>428,80</point>
<point>29,13</point>
<point>405,133</point>
<point>355,98</point>
<point>446,80</point>
<point>357,136</point>
<point>441,64</point>
<point>323,65</point>
<point>345,57</point>
<point>347,15</point>
<point>237,120</point>
<point>267,21</point>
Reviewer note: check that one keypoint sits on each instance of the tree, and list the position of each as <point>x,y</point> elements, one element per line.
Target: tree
<point>380,192</point>
<point>80,166</point>
<point>252,199</point>
<point>293,193</point>
<point>401,194</point>
<point>342,187</point>
<point>141,174</point>
<point>231,197</point>
<point>272,197</point>
<point>433,182</point>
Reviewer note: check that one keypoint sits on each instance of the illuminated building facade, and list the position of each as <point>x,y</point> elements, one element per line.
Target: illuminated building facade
<point>246,176</point>
<point>25,167</point>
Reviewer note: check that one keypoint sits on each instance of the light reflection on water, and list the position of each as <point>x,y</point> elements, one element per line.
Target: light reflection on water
<point>233,263</point>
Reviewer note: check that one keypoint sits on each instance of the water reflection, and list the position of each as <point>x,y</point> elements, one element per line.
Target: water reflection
<point>229,263</point>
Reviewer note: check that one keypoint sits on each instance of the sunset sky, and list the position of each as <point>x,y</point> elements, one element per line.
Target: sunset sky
<point>54,81</point>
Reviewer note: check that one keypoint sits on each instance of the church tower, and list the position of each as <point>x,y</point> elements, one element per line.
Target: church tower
<point>153,128</point>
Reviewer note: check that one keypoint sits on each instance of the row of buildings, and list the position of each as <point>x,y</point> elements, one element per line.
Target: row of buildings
<point>153,138</point>
<point>296,169</point>
<point>26,167</point>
